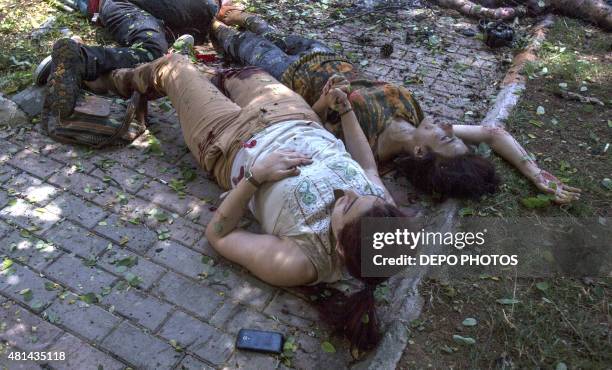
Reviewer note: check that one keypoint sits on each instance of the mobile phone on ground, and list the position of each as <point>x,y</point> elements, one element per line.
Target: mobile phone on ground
<point>260,341</point>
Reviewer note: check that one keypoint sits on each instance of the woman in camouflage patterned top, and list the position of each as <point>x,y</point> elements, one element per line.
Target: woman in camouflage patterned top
<point>433,155</point>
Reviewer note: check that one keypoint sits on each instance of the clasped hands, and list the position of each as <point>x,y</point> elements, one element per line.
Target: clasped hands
<point>335,94</point>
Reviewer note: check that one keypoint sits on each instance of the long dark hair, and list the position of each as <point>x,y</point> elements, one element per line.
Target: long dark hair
<point>355,315</point>
<point>465,176</point>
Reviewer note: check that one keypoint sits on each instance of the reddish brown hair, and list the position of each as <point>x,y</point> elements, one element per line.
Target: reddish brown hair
<point>355,315</point>
<point>465,176</point>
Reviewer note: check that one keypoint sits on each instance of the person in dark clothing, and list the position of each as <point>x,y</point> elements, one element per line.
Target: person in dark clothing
<point>143,28</point>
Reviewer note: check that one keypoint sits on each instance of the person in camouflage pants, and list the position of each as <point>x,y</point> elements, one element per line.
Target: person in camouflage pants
<point>433,155</point>
<point>305,66</point>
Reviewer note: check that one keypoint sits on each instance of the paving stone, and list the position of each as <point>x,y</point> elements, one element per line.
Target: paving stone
<point>191,363</point>
<point>4,227</point>
<point>78,183</point>
<point>7,172</point>
<point>159,169</point>
<point>129,156</point>
<point>173,150</point>
<point>148,271</point>
<point>138,238</point>
<point>35,164</point>
<point>204,188</point>
<point>292,310</point>
<point>141,349</point>
<point>71,272</point>
<point>180,229</point>
<point>204,247</point>
<point>31,100</point>
<point>319,359</point>
<point>198,337</point>
<point>89,321</point>
<point>24,330</point>
<point>37,143</point>
<point>119,201</point>
<point>216,350</point>
<point>166,197</point>
<point>81,355</point>
<point>27,216</point>
<point>77,210</point>
<point>28,250</point>
<point>241,287</point>
<point>194,297</point>
<point>10,114</point>
<point>17,278</point>
<point>201,213</point>
<point>76,239</point>
<point>232,317</point>
<point>177,257</point>
<point>125,178</point>
<point>31,188</point>
<point>78,159</point>
<point>251,360</point>
<point>167,132</point>
<point>139,307</point>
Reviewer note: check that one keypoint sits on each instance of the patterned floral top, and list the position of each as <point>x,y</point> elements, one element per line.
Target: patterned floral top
<point>300,207</point>
<point>375,103</point>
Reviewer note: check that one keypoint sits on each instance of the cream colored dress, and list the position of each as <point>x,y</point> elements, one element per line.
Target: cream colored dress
<point>300,207</point>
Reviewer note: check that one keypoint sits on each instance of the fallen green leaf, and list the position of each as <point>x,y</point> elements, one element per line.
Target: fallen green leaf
<point>26,294</point>
<point>470,321</point>
<point>464,340</point>
<point>543,286</point>
<point>89,298</point>
<point>328,347</point>
<point>508,301</point>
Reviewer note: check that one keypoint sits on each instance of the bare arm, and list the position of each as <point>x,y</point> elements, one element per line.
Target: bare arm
<point>273,259</point>
<point>334,96</point>
<point>506,146</point>
<point>320,108</point>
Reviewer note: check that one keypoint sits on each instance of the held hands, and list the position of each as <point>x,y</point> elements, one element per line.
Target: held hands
<point>279,165</point>
<point>335,92</point>
<point>548,183</point>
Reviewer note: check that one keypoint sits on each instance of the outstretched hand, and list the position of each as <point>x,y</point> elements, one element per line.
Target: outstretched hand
<point>548,183</point>
<point>279,165</point>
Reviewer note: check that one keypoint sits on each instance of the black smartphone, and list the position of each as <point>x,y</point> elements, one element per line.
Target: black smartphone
<point>260,341</point>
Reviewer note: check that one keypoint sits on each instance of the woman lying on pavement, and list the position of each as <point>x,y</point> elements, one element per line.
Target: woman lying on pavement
<point>307,191</point>
<point>432,154</point>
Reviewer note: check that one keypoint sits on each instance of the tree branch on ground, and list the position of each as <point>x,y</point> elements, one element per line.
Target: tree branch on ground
<point>594,11</point>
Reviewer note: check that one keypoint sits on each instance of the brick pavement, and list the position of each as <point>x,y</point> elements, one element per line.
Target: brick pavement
<point>104,260</point>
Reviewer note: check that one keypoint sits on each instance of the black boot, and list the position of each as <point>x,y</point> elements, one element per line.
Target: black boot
<point>74,62</point>
<point>67,72</point>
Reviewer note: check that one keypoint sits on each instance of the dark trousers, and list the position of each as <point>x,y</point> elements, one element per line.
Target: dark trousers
<point>271,51</point>
<point>140,26</point>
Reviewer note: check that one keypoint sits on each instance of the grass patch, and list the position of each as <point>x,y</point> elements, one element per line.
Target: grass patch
<point>21,52</point>
<point>571,138</point>
<point>554,321</point>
